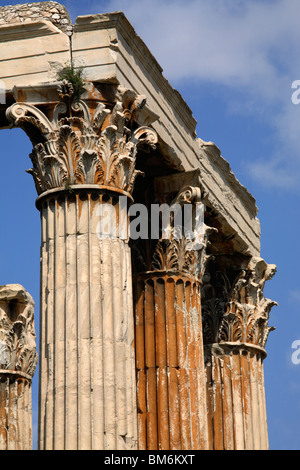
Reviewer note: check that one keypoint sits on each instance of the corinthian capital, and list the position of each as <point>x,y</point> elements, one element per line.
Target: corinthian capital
<point>234,307</point>
<point>17,336</point>
<point>79,143</point>
<point>180,246</point>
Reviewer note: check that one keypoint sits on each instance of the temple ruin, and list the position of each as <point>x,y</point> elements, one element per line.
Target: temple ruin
<point>145,344</point>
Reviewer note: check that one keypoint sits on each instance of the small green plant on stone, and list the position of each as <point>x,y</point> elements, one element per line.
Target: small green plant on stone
<point>74,75</point>
<point>68,185</point>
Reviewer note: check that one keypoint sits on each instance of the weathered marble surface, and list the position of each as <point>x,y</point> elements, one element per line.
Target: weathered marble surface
<point>18,361</point>
<point>51,11</point>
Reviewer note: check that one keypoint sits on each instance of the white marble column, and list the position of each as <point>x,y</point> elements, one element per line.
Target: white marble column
<point>84,155</point>
<point>87,365</point>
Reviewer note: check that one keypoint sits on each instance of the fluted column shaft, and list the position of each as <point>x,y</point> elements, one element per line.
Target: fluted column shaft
<point>87,368</point>
<point>236,397</point>
<point>15,411</point>
<point>169,361</point>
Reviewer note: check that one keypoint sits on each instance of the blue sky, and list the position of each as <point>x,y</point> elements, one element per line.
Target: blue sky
<point>234,63</point>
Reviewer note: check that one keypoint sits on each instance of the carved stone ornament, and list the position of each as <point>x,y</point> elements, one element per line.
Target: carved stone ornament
<point>177,251</point>
<point>17,335</point>
<point>175,255</point>
<point>77,145</point>
<point>238,311</point>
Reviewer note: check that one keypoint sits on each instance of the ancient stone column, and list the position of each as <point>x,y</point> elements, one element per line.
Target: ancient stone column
<point>235,324</point>
<point>169,345</point>
<point>84,171</point>
<point>18,360</point>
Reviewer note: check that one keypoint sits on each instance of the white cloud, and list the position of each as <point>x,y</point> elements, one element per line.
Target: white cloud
<point>249,46</point>
<point>222,41</point>
<point>272,174</point>
<point>295,295</point>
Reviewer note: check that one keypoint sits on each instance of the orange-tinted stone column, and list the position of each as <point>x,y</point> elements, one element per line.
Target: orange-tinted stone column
<point>236,397</point>
<point>171,385</point>
<point>235,326</point>
<point>169,360</point>
<point>15,411</point>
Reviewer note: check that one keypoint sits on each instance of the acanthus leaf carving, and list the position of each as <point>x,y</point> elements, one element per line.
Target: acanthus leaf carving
<point>88,169</point>
<point>17,336</point>
<point>79,146</point>
<point>68,152</point>
<point>175,255</point>
<point>175,251</point>
<point>237,311</point>
<point>38,171</point>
